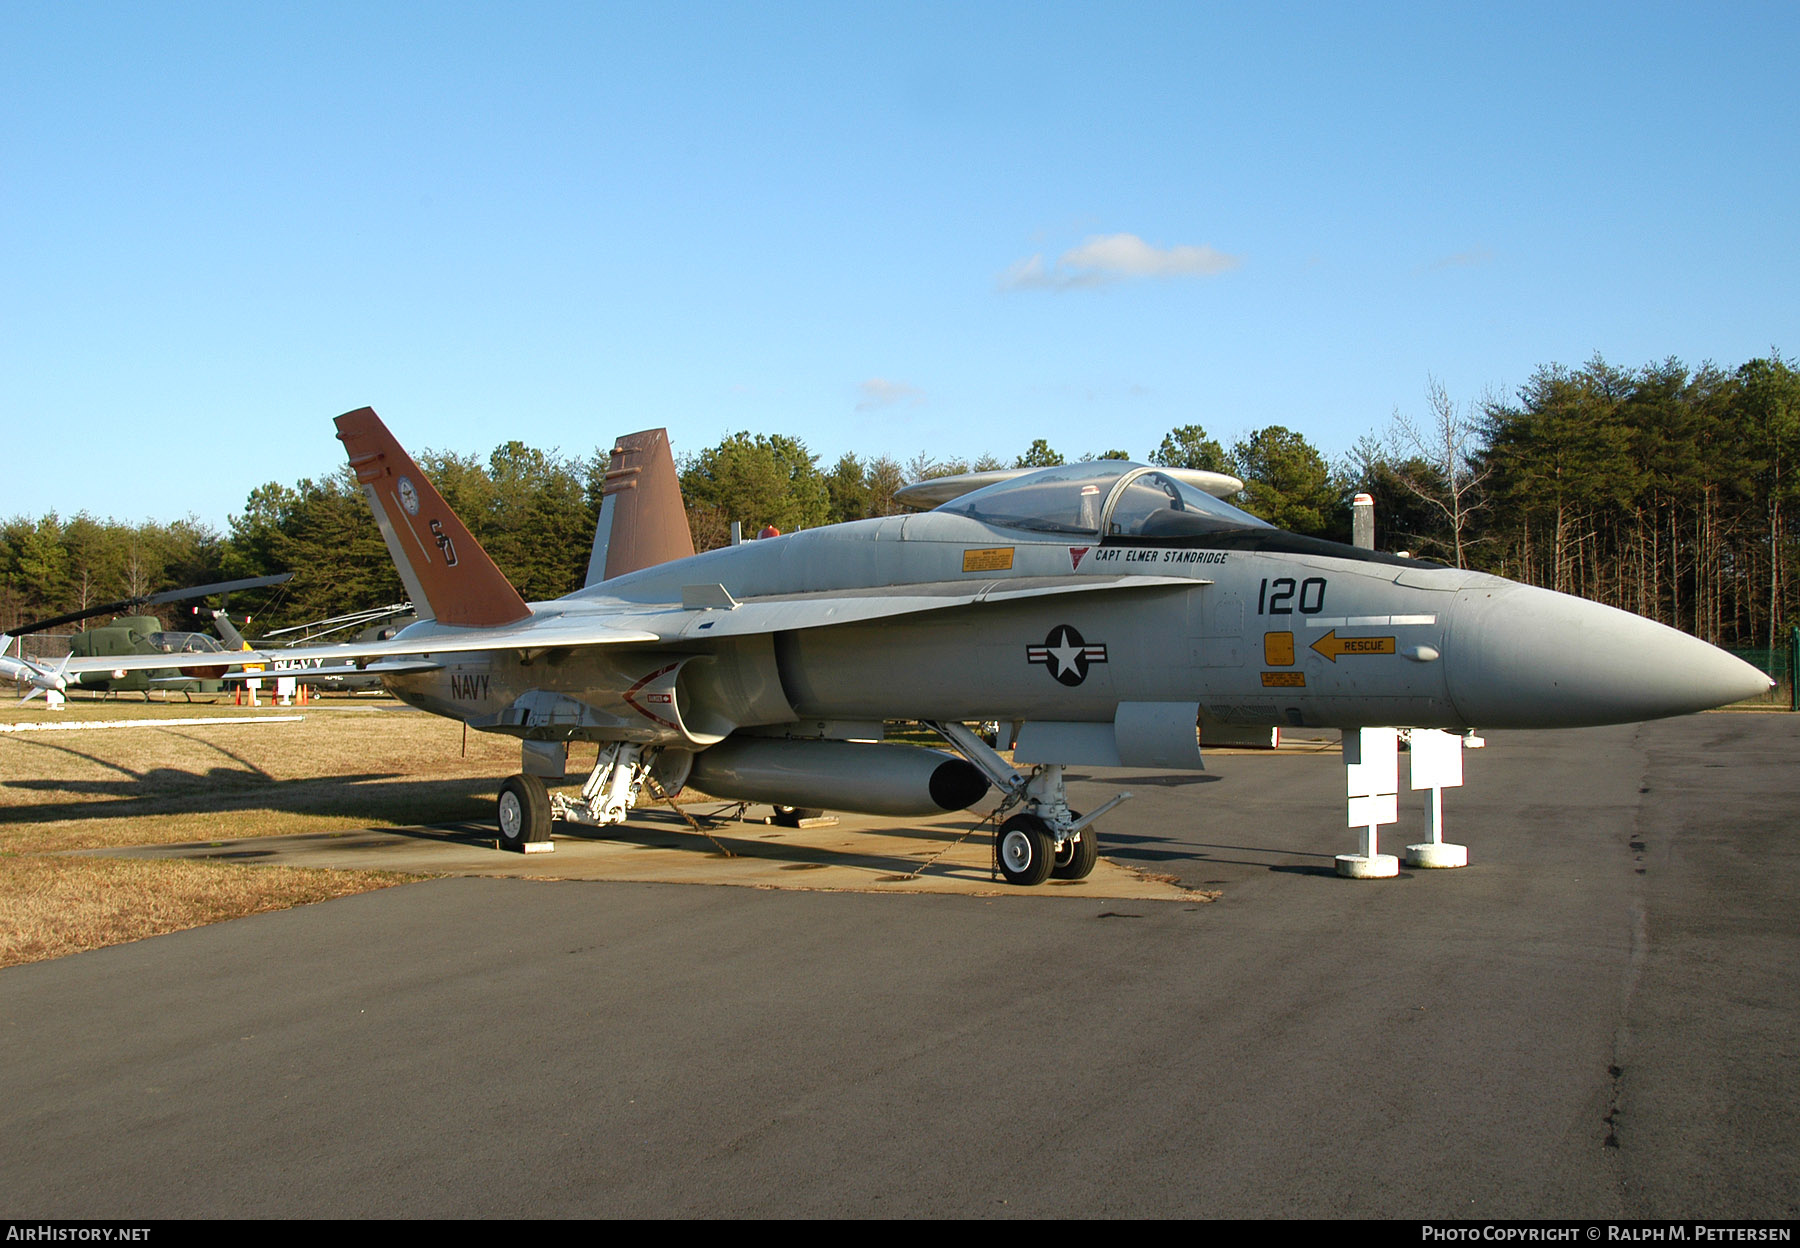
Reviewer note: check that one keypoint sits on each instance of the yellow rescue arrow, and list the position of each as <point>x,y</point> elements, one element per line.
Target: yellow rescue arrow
<point>1331,645</point>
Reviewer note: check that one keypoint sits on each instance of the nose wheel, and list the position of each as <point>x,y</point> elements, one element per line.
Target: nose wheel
<point>1075,858</point>
<point>1026,850</point>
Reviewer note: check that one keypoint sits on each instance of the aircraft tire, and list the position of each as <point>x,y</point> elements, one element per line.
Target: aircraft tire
<point>523,811</point>
<point>1076,859</point>
<point>790,816</point>
<point>1025,850</point>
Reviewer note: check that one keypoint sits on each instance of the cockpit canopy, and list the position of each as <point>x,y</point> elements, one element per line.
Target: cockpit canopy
<point>184,643</point>
<point>1106,498</point>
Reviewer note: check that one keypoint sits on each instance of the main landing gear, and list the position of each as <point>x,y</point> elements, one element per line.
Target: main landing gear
<point>1047,839</point>
<point>526,808</point>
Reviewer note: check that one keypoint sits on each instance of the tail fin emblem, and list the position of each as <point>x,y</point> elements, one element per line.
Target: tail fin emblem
<point>444,544</point>
<point>409,497</point>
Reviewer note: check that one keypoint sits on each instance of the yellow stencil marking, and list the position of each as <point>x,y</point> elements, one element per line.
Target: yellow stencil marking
<point>1331,645</point>
<point>995,559</point>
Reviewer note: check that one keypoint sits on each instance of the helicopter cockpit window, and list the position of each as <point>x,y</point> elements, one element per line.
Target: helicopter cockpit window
<point>184,643</point>
<point>1156,505</point>
<point>1057,500</point>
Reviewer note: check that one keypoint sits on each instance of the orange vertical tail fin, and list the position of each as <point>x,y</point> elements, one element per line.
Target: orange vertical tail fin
<point>448,574</point>
<point>642,519</point>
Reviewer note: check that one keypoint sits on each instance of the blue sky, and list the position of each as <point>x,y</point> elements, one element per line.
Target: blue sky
<point>884,229</point>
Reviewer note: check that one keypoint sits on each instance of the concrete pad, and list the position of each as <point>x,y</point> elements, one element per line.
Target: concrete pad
<point>951,854</point>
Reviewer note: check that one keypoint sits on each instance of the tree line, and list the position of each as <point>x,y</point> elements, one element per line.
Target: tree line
<point>1664,490</point>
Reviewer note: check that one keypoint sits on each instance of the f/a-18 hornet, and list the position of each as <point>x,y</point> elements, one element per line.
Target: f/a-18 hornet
<point>1107,606</point>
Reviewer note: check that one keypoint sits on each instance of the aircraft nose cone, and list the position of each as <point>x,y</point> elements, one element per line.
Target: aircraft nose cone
<point>1529,658</point>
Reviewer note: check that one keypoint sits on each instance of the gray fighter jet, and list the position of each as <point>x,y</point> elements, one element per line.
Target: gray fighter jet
<point>1107,606</point>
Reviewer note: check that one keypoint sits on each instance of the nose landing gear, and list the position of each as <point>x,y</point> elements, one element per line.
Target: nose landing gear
<point>1076,856</point>
<point>1047,839</point>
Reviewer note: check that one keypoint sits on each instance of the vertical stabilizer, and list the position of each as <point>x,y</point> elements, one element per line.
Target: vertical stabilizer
<point>448,574</point>
<point>642,520</point>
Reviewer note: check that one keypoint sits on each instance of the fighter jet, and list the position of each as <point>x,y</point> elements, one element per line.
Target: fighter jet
<point>1107,606</point>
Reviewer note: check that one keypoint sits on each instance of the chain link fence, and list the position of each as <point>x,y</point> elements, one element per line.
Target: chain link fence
<point>1779,663</point>
<point>45,647</point>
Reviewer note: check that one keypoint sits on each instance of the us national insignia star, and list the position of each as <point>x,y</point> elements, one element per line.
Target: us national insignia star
<point>1066,655</point>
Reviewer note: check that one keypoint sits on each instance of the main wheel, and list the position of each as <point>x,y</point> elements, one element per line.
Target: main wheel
<point>791,816</point>
<point>1025,849</point>
<point>524,811</point>
<point>1075,859</point>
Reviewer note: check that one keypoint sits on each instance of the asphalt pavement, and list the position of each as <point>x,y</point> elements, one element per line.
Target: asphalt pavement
<point>1598,1018</point>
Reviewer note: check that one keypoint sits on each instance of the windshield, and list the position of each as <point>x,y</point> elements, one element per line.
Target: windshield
<point>1057,500</point>
<point>184,643</point>
<point>1154,504</point>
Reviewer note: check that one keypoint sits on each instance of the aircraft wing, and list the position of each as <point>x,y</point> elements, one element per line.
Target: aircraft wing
<point>316,675</point>
<point>723,616</point>
<point>582,629</point>
<point>715,613</point>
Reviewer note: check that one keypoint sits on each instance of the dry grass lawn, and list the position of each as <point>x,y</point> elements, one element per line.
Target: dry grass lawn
<point>349,763</point>
<point>51,906</point>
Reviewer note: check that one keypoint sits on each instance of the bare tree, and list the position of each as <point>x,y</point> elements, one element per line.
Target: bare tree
<point>1448,448</point>
<point>137,576</point>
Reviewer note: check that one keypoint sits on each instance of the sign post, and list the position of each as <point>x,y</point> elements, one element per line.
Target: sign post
<point>1437,765</point>
<point>1372,782</point>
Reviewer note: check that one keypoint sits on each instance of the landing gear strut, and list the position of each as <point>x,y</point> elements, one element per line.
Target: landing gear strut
<point>1076,856</point>
<point>611,789</point>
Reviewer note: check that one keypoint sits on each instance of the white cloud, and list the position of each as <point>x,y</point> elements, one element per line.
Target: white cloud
<point>878,392</point>
<point>1464,259</point>
<point>1107,258</point>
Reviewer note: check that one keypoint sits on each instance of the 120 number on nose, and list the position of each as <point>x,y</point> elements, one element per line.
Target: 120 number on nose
<point>1282,595</point>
